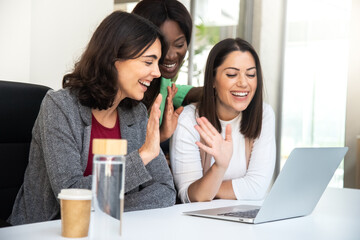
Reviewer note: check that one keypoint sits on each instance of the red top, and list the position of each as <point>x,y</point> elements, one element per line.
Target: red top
<point>99,131</point>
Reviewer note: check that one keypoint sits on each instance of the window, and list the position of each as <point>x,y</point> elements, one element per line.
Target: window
<point>315,76</point>
<point>213,23</point>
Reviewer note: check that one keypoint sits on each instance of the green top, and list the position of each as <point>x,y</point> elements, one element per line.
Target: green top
<point>179,97</point>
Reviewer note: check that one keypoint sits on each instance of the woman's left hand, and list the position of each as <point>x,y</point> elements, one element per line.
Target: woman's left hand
<point>151,147</point>
<point>221,149</point>
<point>170,117</point>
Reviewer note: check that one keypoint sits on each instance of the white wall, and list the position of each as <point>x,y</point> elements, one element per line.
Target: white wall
<point>41,39</point>
<point>15,39</point>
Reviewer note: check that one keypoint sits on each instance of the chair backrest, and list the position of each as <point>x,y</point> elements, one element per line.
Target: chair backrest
<point>19,107</point>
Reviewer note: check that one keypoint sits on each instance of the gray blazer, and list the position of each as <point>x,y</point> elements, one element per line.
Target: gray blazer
<point>59,154</point>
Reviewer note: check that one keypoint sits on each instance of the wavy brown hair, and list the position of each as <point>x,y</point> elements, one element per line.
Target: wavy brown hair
<point>251,120</point>
<point>122,36</point>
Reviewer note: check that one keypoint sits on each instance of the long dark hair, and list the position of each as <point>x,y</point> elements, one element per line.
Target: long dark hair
<point>121,35</point>
<point>158,11</point>
<point>251,120</point>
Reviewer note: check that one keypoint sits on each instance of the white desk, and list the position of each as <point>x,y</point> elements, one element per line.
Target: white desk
<point>337,216</point>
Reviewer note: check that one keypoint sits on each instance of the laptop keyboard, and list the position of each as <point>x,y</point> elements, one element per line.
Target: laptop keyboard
<point>242,214</point>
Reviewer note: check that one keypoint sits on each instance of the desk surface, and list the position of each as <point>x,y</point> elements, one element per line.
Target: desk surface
<point>337,216</point>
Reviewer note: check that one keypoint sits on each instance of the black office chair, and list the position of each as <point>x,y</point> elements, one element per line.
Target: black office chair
<point>19,107</point>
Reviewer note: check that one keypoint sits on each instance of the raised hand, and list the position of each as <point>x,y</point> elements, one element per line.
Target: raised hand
<point>170,117</point>
<point>151,147</point>
<point>221,149</point>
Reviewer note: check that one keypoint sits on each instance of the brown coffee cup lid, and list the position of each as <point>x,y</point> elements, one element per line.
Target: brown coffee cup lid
<point>109,146</point>
<point>75,194</point>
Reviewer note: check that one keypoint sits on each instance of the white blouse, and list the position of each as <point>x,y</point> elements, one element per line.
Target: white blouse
<point>250,184</point>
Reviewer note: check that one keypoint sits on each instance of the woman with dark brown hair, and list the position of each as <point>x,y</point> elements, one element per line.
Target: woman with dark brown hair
<point>230,153</point>
<point>100,99</point>
<point>175,23</point>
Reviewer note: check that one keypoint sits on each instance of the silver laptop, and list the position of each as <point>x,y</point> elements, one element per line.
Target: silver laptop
<point>295,192</point>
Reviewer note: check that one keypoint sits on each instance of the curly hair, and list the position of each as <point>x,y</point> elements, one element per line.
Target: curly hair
<point>158,11</point>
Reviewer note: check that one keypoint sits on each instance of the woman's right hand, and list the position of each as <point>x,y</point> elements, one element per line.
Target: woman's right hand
<point>151,147</point>
<point>221,149</point>
<point>206,187</point>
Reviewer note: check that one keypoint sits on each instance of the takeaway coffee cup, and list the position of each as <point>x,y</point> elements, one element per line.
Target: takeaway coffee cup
<point>75,212</point>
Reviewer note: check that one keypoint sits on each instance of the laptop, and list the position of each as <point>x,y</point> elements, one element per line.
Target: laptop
<point>295,193</point>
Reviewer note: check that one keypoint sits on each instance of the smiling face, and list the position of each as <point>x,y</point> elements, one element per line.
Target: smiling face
<point>235,84</point>
<point>177,49</point>
<point>135,75</point>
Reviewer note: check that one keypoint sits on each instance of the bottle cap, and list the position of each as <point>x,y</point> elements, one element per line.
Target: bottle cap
<point>109,147</point>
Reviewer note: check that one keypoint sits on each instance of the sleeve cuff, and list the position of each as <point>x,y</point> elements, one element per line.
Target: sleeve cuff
<point>136,172</point>
<point>237,195</point>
